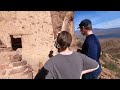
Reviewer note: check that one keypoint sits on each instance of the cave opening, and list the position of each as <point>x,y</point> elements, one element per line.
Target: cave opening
<point>16,42</point>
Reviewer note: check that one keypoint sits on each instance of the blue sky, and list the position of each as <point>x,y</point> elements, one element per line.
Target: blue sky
<point>100,19</point>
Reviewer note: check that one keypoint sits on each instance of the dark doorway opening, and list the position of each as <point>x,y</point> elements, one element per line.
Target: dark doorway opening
<point>16,42</point>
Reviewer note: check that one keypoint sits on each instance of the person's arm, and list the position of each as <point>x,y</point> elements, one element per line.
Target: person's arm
<point>41,73</point>
<point>90,70</point>
<point>83,48</point>
<point>89,64</point>
<point>45,72</point>
<point>49,74</point>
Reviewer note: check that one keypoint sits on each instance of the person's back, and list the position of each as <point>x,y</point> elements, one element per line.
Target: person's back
<point>69,66</point>
<point>92,42</point>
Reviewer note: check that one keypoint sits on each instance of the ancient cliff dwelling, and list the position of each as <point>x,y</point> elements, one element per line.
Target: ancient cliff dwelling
<point>27,42</point>
<point>27,37</point>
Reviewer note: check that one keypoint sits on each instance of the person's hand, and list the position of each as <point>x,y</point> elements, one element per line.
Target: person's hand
<point>50,54</point>
<point>79,50</point>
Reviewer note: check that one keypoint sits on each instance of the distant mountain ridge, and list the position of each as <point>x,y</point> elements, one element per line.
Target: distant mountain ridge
<point>102,33</point>
<point>98,31</point>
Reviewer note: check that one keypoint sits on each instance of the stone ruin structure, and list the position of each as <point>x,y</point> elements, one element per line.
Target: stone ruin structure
<point>26,39</point>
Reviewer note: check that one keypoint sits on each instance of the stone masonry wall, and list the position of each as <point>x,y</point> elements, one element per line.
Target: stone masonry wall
<point>37,30</point>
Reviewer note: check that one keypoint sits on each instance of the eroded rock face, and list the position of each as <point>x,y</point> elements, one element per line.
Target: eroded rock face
<point>57,21</point>
<point>2,45</point>
<point>63,20</point>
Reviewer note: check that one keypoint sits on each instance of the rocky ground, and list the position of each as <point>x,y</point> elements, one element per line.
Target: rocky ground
<point>111,67</point>
<point>111,46</point>
<point>12,66</point>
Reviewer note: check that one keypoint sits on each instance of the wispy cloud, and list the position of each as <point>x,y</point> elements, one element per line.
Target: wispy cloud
<point>100,19</point>
<point>108,24</point>
<point>95,20</point>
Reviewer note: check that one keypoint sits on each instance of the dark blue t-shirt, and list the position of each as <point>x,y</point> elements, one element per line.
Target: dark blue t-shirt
<point>92,49</point>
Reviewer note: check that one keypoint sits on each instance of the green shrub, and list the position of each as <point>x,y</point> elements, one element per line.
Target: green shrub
<point>111,66</point>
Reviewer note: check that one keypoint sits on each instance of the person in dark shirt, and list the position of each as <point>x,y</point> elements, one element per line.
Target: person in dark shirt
<point>91,47</point>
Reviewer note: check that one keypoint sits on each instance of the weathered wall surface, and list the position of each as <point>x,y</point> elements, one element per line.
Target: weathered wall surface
<point>57,21</point>
<point>36,46</point>
<point>37,30</point>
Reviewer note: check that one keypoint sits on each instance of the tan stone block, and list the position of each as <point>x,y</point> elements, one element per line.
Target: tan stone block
<point>19,63</point>
<point>15,58</point>
<point>2,72</point>
<point>17,69</point>
<point>2,67</point>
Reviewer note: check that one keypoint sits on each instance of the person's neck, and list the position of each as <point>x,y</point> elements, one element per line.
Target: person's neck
<point>89,33</point>
<point>66,52</point>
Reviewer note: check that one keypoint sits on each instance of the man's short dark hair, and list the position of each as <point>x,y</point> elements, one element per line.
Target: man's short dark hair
<point>64,39</point>
<point>86,23</point>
